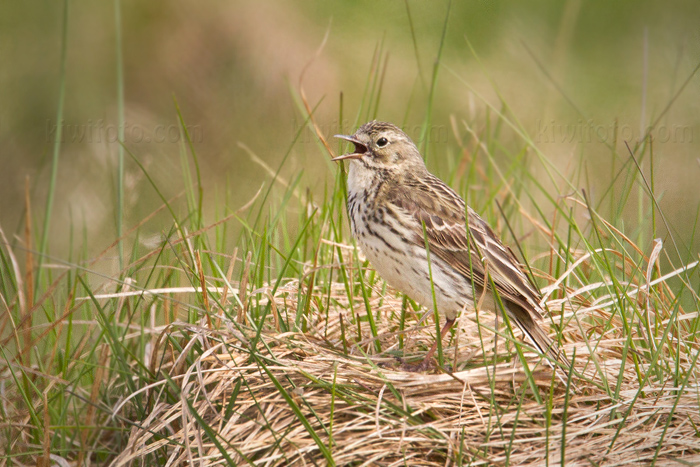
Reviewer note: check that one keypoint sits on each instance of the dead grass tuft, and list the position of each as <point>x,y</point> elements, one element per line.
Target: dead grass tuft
<point>299,399</point>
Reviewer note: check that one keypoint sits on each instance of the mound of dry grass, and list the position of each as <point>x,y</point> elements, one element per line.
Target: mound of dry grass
<point>324,398</point>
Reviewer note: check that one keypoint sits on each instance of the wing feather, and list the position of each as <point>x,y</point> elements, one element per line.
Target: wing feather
<point>431,202</point>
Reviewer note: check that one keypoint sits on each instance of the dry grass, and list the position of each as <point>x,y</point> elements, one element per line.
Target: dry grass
<point>301,399</point>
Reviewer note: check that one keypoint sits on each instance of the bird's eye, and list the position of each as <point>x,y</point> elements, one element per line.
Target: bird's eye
<point>381,142</point>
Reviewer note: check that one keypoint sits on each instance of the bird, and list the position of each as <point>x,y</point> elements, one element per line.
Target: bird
<point>396,207</point>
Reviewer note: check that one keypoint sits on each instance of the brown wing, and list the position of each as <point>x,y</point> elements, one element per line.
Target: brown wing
<point>429,200</point>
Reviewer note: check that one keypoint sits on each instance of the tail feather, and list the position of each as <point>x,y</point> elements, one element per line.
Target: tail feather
<point>535,334</point>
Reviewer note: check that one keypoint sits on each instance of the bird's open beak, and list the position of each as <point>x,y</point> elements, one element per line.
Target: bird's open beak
<point>359,151</point>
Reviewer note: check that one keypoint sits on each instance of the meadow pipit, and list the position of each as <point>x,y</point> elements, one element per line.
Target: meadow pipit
<point>394,203</point>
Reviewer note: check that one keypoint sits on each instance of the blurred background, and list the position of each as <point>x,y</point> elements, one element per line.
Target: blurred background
<point>573,74</point>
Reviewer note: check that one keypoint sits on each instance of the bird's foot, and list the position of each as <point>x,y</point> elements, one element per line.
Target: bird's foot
<point>423,365</point>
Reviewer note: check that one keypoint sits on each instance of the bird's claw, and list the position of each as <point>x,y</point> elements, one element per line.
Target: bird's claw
<point>424,365</point>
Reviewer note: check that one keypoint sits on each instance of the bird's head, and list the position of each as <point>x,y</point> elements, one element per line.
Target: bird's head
<point>380,145</point>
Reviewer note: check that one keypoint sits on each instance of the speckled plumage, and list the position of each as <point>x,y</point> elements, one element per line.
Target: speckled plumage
<point>392,197</point>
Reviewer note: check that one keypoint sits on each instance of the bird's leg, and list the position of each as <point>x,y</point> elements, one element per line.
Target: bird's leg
<point>425,364</point>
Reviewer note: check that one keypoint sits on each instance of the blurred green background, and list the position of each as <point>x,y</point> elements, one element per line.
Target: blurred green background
<point>570,72</point>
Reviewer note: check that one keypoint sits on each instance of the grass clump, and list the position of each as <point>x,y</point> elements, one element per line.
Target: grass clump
<point>265,337</point>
